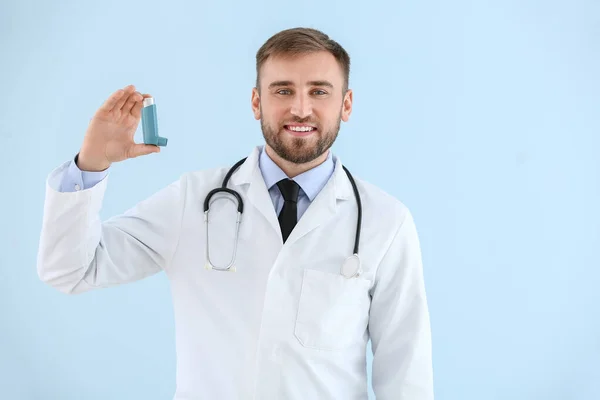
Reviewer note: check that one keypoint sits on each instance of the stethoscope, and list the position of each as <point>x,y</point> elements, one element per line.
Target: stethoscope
<point>350,268</point>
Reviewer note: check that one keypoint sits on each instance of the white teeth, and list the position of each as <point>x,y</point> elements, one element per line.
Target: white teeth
<point>300,128</point>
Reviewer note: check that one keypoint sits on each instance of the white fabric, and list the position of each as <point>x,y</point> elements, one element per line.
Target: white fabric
<point>286,324</point>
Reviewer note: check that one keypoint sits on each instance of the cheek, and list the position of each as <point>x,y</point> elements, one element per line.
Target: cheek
<point>275,118</point>
<point>268,111</point>
<point>327,112</point>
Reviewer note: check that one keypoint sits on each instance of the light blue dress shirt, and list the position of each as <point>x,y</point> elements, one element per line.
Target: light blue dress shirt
<point>75,179</point>
<point>311,182</point>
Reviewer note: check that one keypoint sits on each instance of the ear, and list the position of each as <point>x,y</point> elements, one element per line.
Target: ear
<point>347,105</point>
<point>256,103</point>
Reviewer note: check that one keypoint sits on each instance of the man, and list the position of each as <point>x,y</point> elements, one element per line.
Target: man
<point>285,322</point>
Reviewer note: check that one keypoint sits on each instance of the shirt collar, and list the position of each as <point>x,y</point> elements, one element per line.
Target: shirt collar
<point>311,182</point>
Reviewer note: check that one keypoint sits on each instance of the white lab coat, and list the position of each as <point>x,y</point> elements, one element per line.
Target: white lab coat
<point>285,325</point>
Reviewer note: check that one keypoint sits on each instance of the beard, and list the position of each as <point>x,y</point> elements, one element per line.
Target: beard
<point>299,150</point>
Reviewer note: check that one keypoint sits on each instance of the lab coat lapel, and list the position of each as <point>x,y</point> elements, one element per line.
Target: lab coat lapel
<point>325,204</point>
<point>257,193</point>
<point>322,208</point>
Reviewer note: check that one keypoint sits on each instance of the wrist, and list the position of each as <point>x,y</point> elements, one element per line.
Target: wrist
<point>87,164</point>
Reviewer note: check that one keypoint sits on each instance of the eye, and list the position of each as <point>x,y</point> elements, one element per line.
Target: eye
<point>287,91</point>
<point>320,92</point>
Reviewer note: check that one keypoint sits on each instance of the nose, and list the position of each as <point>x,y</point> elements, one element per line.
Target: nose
<point>301,106</point>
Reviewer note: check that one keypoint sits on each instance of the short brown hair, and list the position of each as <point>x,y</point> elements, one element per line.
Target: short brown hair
<point>296,41</point>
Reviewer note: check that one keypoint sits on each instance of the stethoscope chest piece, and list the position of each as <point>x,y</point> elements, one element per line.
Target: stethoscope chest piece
<point>351,267</point>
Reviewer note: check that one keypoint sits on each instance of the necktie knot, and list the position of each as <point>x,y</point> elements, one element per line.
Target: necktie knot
<point>289,190</point>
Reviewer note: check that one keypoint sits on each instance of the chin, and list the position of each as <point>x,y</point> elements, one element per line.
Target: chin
<point>299,153</point>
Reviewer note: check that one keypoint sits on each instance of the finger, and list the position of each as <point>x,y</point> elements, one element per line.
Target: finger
<point>133,99</point>
<point>129,90</point>
<point>141,149</point>
<point>112,101</point>
<point>136,111</point>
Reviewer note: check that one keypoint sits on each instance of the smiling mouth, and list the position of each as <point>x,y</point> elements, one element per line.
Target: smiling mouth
<point>300,130</point>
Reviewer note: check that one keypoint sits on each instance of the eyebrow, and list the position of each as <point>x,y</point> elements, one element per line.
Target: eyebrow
<point>311,83</point>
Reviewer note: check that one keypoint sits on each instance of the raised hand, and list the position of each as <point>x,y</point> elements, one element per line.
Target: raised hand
<point>109,136</point>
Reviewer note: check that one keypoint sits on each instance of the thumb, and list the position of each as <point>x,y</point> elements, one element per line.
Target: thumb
<point>141,149</point>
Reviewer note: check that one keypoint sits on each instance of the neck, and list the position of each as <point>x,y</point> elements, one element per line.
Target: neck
<point>291,169</point>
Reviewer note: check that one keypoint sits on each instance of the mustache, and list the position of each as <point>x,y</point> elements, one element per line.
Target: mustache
<point>297,120</point>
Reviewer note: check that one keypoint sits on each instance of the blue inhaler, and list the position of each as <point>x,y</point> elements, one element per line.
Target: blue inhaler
<point>150,124</point>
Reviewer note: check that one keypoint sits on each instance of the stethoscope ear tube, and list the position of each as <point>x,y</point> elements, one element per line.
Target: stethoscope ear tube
<point>359,208</point>
<point>240,203</point>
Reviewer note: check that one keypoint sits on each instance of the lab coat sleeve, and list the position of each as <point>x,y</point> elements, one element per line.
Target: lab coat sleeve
<point>78,252</point>
<point>74,178</point>
<point>399,323</point>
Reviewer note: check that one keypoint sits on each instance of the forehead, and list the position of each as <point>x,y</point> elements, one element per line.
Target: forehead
<point>302,68</point>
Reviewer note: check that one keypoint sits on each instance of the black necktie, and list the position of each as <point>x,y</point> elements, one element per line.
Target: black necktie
<point>289,213</point>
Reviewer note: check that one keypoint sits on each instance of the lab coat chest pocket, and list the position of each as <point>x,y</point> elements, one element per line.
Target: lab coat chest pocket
<point>333,311</point>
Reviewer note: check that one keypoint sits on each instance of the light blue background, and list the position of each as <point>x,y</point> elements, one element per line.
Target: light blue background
<point>482,117</point>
